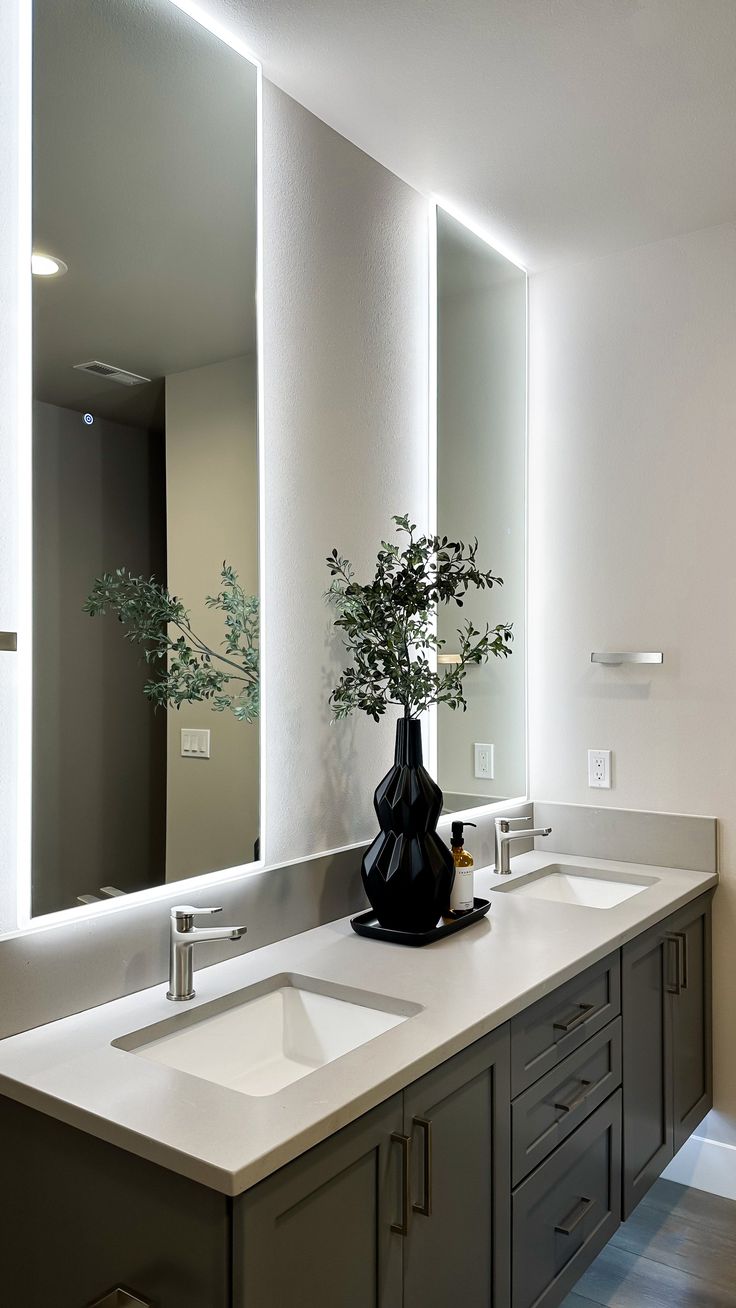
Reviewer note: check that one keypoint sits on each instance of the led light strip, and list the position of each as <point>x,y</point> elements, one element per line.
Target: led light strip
<point>24,463</point>
<point>432,728</point>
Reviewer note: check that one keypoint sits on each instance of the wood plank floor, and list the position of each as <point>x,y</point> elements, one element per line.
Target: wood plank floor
<point>677,1250</point>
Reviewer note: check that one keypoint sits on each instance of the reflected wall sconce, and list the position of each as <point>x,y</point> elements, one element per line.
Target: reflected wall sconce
<point>616,658</point>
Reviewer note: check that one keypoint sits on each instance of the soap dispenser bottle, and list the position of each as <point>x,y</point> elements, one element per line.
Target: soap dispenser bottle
<point>462,898</point>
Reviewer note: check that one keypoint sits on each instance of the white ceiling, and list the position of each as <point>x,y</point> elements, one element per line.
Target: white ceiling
<point>565,128</point>
<point>144,135</point>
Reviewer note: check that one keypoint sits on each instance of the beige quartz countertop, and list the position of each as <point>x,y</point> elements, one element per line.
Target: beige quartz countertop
<point>466,985</point>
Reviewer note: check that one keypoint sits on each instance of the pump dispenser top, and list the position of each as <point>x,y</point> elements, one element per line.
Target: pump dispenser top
<point>457,841</point>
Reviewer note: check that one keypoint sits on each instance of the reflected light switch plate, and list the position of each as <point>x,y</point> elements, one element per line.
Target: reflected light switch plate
<point>195,744</point>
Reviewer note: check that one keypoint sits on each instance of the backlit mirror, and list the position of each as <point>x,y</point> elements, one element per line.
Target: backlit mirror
<point>145,452</point>
<point>481,491</point>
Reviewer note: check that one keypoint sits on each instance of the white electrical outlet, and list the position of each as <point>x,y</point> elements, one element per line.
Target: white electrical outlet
<point>195,744</point>
<point>599,769</point>
<point>484,761</point>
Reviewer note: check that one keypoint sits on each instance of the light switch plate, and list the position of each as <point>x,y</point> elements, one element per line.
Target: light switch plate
<point>195,743</point>
<point>484,761</point>
<point>599,769</point>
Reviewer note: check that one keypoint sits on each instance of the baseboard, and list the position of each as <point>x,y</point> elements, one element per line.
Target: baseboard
<point>705,1165</point>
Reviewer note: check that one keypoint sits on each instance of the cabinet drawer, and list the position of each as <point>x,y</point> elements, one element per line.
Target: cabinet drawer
<point>551,1109</point>
<point>566,1211</point>
<point>553,1027</point>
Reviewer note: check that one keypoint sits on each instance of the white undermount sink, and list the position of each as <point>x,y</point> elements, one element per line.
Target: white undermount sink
<point>588,888</point>
<point>266,1037</point>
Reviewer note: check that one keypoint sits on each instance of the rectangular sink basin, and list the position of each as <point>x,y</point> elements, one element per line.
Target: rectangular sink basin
<point>586,887</point>
<point>264,1038</point>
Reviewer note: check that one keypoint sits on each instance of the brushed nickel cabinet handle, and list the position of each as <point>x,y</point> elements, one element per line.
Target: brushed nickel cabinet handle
<point>575,1217</point>
<point>582,1094</point>
<point>9,641</point>
<point>404,1141</point>
<point>425,1207</point>
<point>121,1298</point>
<point>584,1011</point>
<point>682,960</point>
<point>673,987</point>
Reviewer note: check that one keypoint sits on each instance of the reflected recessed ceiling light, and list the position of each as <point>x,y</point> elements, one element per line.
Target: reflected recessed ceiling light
<point>47,265</point>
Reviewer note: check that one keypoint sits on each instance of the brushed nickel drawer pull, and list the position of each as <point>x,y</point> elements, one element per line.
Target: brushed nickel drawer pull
<point>425,1207</point>
<point>9,641</point>
<point>404,1141</point>
<point>584,1011</point>
<point>577,1099</point>
<point>575,1218</point>
<point>121,1298</point>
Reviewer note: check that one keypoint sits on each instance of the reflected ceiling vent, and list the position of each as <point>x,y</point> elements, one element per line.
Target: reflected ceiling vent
<point>111,373</point>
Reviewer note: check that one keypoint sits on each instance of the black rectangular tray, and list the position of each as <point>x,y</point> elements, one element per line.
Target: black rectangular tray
<point>365,924</point>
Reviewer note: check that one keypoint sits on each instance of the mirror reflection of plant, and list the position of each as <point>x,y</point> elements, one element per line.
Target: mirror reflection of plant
<point>388,625</point>
<point>189,670</point>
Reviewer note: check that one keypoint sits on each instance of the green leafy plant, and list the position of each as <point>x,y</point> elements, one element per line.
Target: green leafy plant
<point>186,670</point>
<point>389,625</point>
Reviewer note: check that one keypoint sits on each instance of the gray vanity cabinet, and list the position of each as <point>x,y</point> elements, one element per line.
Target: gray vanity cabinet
<point>491,1181</point>
<point>667,1071</point>
<point>407,1206</point>
<point>324,1231</point>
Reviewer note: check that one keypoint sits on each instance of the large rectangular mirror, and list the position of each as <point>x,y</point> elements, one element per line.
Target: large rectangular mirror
<point>481,491</point>
<point>145,761</point>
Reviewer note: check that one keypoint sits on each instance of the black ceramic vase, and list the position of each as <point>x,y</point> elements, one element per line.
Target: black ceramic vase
<point>408,871</point>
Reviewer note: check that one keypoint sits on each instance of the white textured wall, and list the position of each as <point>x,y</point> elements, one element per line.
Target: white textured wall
<point>345,447</point>
<point>633,458</point>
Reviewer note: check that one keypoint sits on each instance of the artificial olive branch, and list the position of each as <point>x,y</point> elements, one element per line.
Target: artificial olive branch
<point>187,670</point>
<point>388,625</point>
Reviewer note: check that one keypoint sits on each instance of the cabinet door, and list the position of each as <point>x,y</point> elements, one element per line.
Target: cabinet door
<point>318,1233</point>
<point>457,1250</point>
<point>647,975</point>
<point>691,1023</point>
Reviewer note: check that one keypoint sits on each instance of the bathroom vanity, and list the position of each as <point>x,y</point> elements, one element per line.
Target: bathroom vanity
<point>534,1076</point>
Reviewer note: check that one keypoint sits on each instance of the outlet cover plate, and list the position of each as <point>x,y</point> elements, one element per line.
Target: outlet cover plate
<point>599,769</point>
<point>484,762</point>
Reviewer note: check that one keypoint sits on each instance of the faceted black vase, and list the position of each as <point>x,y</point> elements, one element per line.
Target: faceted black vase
<point>408,871</point>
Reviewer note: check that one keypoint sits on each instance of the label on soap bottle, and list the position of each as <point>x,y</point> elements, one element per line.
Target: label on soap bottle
<point>462,896</point>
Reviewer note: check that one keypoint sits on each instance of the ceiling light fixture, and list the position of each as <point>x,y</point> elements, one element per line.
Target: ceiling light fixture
<point>47,265</point>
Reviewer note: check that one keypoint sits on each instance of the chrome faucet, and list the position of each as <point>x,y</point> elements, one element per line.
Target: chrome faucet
<point>506,831</point>
<point>184,936</point>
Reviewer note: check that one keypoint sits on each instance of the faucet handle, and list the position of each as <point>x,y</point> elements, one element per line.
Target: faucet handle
<point>510,824</point>
<point>180,912</point>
